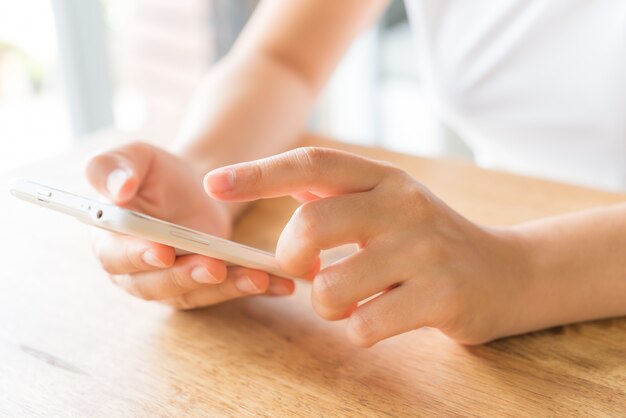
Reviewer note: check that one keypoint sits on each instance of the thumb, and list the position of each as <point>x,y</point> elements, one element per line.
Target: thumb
<point>118,174</point>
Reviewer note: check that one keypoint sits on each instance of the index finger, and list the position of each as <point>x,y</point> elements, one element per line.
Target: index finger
<point>321,171</point>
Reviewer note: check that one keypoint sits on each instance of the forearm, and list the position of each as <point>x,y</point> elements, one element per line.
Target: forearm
<point>256,101</point>
<point>578,264</point>
<point>248,107</point>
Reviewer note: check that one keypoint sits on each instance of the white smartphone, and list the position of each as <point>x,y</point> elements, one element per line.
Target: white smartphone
<point>113,218</point>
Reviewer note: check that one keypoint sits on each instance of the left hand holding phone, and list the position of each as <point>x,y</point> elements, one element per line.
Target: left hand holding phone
<point>147,179</point>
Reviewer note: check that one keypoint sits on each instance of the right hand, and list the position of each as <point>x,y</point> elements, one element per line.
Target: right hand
<point>152,181</point>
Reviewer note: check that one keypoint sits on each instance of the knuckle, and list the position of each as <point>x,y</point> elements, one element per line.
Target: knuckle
<point>331,314</point>
<point>139,289</point>
<point>177,279</point>
<point>394,172</point>
<point>434,251</point>
<point>416,203</point>
<point>228,292</point>
<point>362,329</point>
<point>182,303</point>
<point>116,257</point>
<point>94,163</point>
<point>255,173</point>
<point>109,264</point>
<point>308,217</point>
<point>284,253</point>
<point>132,259</point>
<point>107,267</point>
<point>417,197</point>
<point>325,290</point>
<point>139,147</point>
<point>393,175</point>
<point>310,158</point>
<point>326,312</point>
<point>106,157</point>
<point>413,197</point>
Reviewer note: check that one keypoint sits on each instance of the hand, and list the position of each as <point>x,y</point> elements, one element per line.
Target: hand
<point>422,263</point>
<point>146,179</point>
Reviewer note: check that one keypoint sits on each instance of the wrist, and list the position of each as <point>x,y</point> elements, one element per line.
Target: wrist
<point>542,298</point>
<point>518,283</point>
<point>550,294</point>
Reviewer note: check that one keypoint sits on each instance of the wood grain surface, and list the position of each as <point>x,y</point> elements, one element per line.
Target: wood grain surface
<point>71,344</point>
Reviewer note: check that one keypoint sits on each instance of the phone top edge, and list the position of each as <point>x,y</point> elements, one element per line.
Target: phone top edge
<point>199,234</point>
<point>82,208</point>
<point>117,219</point>
<point>198,242</point>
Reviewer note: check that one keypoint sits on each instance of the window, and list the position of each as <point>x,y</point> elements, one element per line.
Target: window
<point>34,118</point>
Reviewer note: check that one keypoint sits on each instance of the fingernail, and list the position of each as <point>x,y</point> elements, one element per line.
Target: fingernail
<point>116,180</point>
<point>221,180</point>
<point>150,258</point>
<point>246,285</point>
<point>278,289</point>
<point>202,275</point>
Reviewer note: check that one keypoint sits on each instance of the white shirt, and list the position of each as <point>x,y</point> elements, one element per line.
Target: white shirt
<point>536,87</point>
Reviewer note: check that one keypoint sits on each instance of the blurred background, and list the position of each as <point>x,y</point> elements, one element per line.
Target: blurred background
<point>69,68</point>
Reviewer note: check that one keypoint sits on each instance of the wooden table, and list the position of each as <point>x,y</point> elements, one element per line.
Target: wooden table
<point>73,344</point>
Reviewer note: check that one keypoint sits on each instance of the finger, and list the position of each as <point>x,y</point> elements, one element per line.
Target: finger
<point>392,313</point>
<point>124,254</point>
<point>280,286</point>
<point>305,197</point>
<point>320,171</point>
<point>189,272</point>
<point>330,313</point>
<point>117,174</point>
<point>322,224</point>
<point>241,282</point>
<point>354,279</point>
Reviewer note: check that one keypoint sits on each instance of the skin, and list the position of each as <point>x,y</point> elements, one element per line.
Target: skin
<point>262,92</point>
<point>419,264</point>
<point>434,267</point>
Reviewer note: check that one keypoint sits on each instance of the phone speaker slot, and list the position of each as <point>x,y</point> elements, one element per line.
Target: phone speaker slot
<point>190,237</point>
